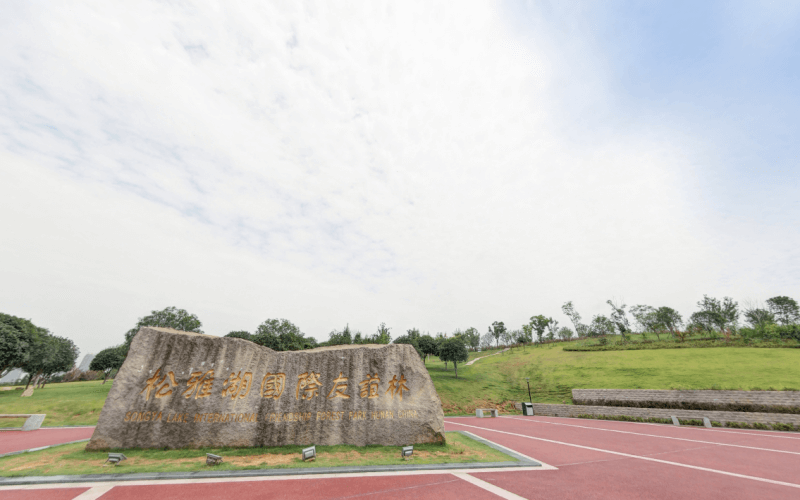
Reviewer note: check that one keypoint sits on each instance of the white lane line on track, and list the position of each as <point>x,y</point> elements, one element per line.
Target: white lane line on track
<point>489,487</point>
<point>654,435</point>
<point>640,457</point>
<point>146,482</point>
<point>94,493</point>
<point>755,433</point>
<point>543,467</point>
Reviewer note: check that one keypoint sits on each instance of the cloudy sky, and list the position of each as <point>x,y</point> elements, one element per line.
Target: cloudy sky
<point>426,164</point>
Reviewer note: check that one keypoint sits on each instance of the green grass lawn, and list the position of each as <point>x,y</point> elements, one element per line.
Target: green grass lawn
<point>73,403</point>
<point>553,373</point>
<point>73,459</point>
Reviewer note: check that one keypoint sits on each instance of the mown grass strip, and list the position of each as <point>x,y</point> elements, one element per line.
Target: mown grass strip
<point>73,459</point>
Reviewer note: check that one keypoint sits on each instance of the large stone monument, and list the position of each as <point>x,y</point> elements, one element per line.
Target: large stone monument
<point>183,390</point>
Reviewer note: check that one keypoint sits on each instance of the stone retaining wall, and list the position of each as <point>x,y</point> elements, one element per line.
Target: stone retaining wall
<point>762,398</point>
<point>556,410</point>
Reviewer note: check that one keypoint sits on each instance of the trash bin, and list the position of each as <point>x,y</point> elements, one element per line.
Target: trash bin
<point>527,409</point>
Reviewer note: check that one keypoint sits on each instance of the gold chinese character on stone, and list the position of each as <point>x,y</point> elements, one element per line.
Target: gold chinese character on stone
<point>272,385</point>
<point>369,386</point>
<point>200,382</point>
<point>308,383</point>
<point>161,387</point>
<point>339,386</point>
<point>397,386</point>
<point>237,385</point>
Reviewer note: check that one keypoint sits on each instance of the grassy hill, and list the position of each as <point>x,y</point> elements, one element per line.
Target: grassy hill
<point>554,372</point>
<point>496,381</point>
<point>73,403</point>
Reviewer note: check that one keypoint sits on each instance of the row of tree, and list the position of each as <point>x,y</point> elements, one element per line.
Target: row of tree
<point>713,316</point>
<point>283,335</point>
<point>33,349</point>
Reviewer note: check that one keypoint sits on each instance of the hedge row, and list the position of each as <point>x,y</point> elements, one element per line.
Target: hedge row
<point>672,344</point>
<point>691,405</point>
<point>696,422</point>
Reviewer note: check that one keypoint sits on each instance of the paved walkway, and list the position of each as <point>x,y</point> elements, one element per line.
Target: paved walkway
<point>584,459</point>
<point>495,354</point>
<point>11,441</point>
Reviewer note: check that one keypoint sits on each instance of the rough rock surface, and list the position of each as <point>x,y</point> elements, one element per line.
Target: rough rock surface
<point>180,389</point>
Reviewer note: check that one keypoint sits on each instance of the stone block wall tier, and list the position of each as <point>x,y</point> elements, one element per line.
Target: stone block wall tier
<point>767,398</point>
<point>556,410</point>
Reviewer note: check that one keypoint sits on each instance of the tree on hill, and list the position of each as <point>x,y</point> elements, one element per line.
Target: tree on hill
<point>345,337</point>
<point>785,309</point>
<point>758,317</point>
<point>539,325</point>
<point>646,319</point>
<point>281,335</point>
<point>381,336</point>
<point>440,339</point>
<point>569,311</point>
<point>715,314</point>
<point>13,348</point>
<point>619,318</point>
<point>50,355</point>
<point>472,338</point>
<point>428,346</point>
<point>487,339</point>
<point>601,326</point>
<point>669,319</point>
<point>454,350</point>
<point>170,317</point>
<point>18,341</point>
<point>497,329</point>
<point>412,338</point>
<point>519,337</point>
<point>564,333</point>
<point>552,329</point>
<point>240,334</point>
<point>107,360</point>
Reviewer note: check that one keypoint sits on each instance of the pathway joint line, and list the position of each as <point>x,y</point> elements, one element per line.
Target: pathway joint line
<point>667,462</point>
<point>94,492</point>
<point>657,436</point>
<point>40,448</point>
<point>480,483</point>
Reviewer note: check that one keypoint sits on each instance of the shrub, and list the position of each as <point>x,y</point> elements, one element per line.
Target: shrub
<point>691,421</point>
<point>90,375</point>
<point>626,418</point>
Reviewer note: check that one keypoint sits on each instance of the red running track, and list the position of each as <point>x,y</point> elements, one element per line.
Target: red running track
<point>595,460</point>
<point>598,467</point>
<point>11,441</point>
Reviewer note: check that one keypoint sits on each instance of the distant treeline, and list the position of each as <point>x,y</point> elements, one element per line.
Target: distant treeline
<point>41,354</point>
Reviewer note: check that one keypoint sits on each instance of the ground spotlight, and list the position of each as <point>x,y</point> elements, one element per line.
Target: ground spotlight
<point>309,453</point>
<point>407,451</point>
<point>115,458</point>
<point>212,459</point>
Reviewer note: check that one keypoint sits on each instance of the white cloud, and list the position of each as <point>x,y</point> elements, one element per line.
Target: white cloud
<point>328,163</point>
